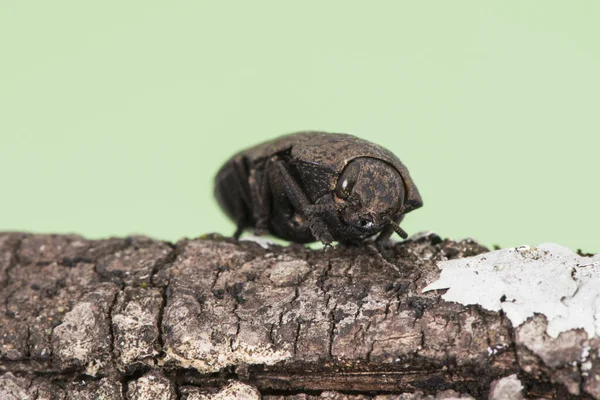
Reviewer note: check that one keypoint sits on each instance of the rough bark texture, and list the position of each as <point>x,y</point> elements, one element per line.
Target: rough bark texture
<point>211,318</point>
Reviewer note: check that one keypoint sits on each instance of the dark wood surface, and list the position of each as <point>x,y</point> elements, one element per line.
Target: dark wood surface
<point>138,318</point>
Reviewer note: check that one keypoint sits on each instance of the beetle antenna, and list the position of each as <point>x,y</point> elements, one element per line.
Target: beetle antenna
<point>401,232</point>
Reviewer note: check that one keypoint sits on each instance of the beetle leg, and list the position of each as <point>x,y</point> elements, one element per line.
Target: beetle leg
<point>238,232</point>
<point>265,195</point>
<point>301,203</point>
<point>293,191</point>
<point>319,229</point>
<point>382,243</point>
<point>387,232</point>
<point>261,199</point>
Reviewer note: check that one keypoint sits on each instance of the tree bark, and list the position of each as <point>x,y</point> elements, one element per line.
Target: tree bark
<point>212,318</point>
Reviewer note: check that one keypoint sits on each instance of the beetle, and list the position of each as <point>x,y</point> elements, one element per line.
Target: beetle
<point>317,186</point>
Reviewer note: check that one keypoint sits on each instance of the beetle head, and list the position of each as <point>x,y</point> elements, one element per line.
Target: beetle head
<point>368,194</point>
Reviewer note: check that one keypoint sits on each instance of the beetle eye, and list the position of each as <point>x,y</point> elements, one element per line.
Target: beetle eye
<point>347,180</point>
<point>361,223</point>
<point>365,223</point>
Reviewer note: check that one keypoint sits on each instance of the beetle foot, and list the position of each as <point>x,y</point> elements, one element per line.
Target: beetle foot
<point>261,227</point>
<point>319,230</point>
<point>326,239</point>
<point>328,247</point>
<point>259,232</point>
<point>238,232</point>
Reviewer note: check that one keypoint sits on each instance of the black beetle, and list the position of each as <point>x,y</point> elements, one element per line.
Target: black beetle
<point>310,186</point>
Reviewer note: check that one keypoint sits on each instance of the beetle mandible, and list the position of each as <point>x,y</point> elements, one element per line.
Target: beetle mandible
<point>317,186</point>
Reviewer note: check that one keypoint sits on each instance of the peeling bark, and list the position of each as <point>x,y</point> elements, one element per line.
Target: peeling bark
<point>213,318</point>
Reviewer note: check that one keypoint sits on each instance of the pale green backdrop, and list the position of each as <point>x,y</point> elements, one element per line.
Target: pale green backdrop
<point>115,115</point>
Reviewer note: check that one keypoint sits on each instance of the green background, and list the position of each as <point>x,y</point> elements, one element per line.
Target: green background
<point>114,116</point>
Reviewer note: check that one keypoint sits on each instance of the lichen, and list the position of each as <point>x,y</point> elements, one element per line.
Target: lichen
<point>548,279</point>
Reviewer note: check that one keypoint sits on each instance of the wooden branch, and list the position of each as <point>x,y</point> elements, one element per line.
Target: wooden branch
<point>212,318</point>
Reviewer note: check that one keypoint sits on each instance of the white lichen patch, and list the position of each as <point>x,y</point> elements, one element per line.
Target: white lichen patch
<point>548,279</point>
